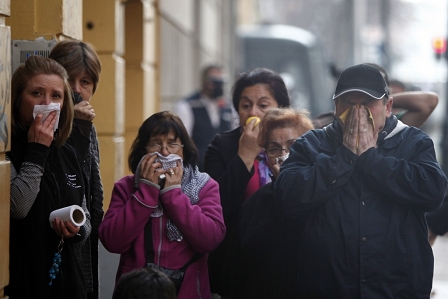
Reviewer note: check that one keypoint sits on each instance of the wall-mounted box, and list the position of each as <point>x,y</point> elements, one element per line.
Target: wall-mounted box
<point>22,49</point>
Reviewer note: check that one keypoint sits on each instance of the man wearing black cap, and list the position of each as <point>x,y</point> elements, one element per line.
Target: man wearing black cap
<point>362,186</point>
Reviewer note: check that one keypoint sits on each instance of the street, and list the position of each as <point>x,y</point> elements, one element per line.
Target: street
<point>440,285</point>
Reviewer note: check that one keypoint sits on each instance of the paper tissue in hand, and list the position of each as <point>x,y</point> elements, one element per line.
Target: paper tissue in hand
<point>167,162</point>
<point>75,214</point>
<point>46,109</point>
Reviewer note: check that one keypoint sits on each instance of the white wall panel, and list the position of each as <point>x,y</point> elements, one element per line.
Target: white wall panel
<point>180,12</point>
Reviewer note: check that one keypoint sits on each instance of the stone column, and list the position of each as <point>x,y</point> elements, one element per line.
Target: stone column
<point>141,52</point>
<point>103,27</point>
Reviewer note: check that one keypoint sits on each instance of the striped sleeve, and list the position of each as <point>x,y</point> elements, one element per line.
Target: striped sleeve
<point>24,186</point>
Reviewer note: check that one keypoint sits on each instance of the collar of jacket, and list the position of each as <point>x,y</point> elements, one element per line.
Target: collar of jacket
<point>334,132</point>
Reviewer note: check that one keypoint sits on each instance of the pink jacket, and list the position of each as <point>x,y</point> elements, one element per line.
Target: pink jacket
<point>202,226</point>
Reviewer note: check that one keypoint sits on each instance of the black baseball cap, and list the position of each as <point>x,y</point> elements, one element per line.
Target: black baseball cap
<point>364,78</point>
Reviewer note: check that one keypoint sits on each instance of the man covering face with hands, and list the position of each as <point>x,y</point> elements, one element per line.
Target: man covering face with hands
<point>360,102</point>
<point>362,186</point>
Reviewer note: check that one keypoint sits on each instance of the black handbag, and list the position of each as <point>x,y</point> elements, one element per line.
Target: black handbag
<point>175,275</point>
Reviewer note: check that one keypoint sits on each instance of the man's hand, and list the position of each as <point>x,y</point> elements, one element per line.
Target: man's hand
<point>358,134</point>
<point>350,135</point>
<point>366,134</point>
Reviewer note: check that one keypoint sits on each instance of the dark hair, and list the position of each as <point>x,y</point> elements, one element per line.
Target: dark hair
<point>145,283</point>
<point>398,83</point>
<point>77,56</point>
<point>38,65</point>
<point>283,118</point>
<point>207,69</point>
<point>271,79</point>
<point>162,123</point>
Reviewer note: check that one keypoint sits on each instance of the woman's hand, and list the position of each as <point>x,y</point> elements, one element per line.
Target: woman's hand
<point>174,175</point>
<point>83,110</point>
<point>248,148</point>
<point>65,228</point>
<point>43,132</point>
<point>150,170</point>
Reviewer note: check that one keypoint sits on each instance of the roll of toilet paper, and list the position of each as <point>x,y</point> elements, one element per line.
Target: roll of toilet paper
<point>73,213</point>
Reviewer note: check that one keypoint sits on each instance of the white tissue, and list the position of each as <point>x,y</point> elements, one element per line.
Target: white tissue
<point>46,109</point>
<point>281,159</point>
<point>167,162</point>
<point>75,214</point>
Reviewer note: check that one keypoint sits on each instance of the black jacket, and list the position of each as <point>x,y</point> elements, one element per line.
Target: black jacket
<point>203,131</point>
<point>438,219</point>
<point>224,165</point>
<point>264,258</point>
<point>33,242</point>
<point>85,141</point>
<point>365,233</point>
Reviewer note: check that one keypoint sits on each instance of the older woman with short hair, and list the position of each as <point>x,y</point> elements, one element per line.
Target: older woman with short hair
<point>264,256</point>
<point>83,67</point>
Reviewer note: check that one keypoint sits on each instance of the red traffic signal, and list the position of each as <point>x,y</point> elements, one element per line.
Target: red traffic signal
<point>439,45</point>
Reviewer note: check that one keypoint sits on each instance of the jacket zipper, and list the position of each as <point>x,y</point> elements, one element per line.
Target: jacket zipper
<point>198,285</point>
<point>160,240</point>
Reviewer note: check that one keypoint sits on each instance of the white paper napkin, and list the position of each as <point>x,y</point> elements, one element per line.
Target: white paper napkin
<point>46,109</point>
<point>167,162</point>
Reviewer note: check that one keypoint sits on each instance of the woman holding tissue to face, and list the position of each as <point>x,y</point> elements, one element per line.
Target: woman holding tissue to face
<point>235,160</point>
<point>45,176</point>
<point>167,213</point>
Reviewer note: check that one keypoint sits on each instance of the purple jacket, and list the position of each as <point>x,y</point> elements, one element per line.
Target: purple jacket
<point>202,226</point>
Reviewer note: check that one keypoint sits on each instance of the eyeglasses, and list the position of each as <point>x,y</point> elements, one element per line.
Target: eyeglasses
<point>172,148</point>
<point>277,151</point>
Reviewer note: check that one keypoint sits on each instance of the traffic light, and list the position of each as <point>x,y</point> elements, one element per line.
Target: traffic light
<point>439,46</point>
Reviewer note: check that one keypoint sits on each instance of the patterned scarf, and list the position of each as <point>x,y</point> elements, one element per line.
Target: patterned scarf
<point>263,168</point>
<point>192,182</point>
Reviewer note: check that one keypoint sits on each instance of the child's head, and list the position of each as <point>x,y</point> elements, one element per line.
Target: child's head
<point>145,283</point>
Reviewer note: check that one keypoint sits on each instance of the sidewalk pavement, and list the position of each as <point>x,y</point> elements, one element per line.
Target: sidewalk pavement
<point>440,284</point>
